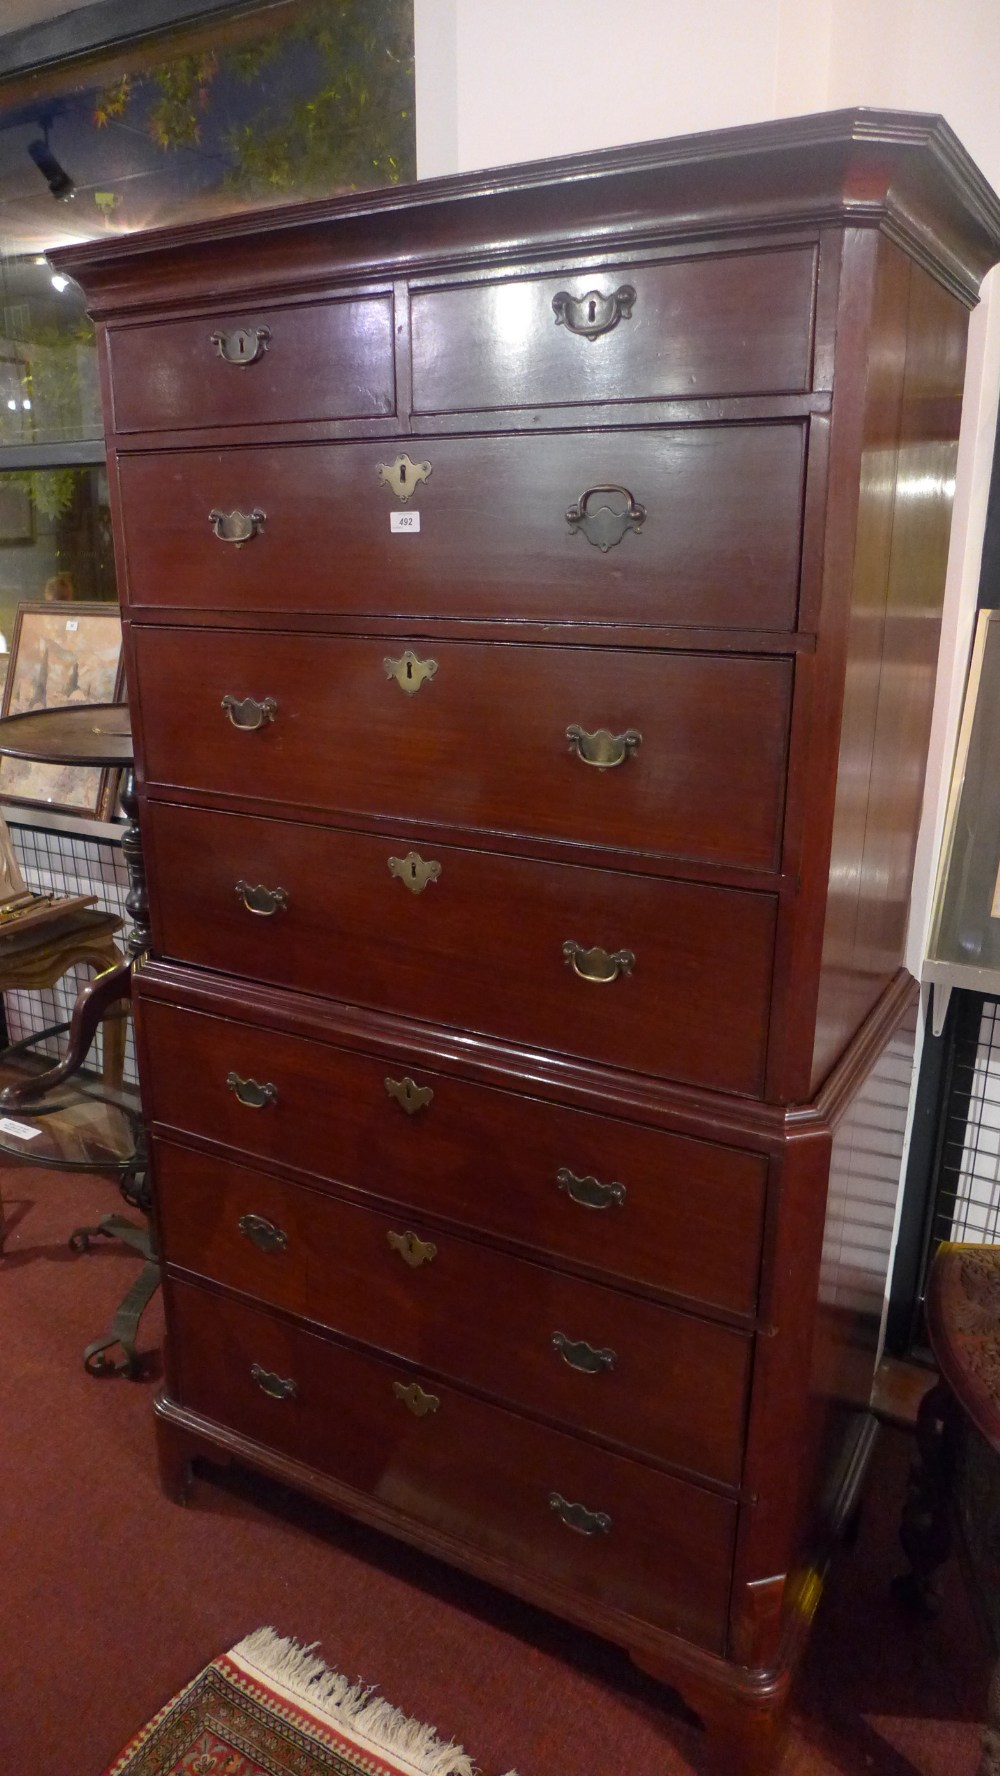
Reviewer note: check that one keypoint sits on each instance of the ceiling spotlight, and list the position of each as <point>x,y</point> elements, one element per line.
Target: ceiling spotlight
<point>56,177</point>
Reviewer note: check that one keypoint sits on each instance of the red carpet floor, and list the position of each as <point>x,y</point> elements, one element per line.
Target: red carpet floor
<point>111,1597</point>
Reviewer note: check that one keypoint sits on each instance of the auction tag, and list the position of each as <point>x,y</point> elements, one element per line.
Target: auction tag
<point>407,522</point>
<point>71,625</point>
<point>22,1130</point>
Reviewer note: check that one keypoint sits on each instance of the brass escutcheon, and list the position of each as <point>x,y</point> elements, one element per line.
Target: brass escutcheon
<point>603,525</point>
<point>247,714</point>
<point>412,1249</point>
<point>251,1093</point>
<point>577,1517</point>
<point>263,1233</point>
<point>597,964</point>
<point>409,672</point>
<point>583,1356</point>
<point>593,313</point>
<point>265,902</point>
<point>237,527</point>
<point>403,476</point>
<point>589,1192</point>
<point>272,1384</point>
<point>410,1096</point>
<point>413,872</point>
<point>243,346</point>
<point>419,1403</point>
<point>602,748</point>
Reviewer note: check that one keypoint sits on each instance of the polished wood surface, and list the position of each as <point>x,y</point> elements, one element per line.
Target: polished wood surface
<point>482,745</point>
<point>719,543</point>
<point>80,734</point>
<point>687,1225</point>
<point>341,351</point>
<point>481,947</point>
<point>670,1386</point>
<point>493,344</point>
<point>466,1467</point>
<point>779,404</point>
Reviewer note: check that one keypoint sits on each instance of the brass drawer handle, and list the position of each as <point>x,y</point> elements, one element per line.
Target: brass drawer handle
<point>602,748</point>
<point>589,1192</point>
<point>403,476</point>
<point>593,314</point>
<point>247,714</point>
<point>603,525</point>
<point>409,672</point>
<point>243,346</point>
<point>412,1249</point>
<point>583,1356</point>
<point>250,1093</point>
<point>413,1396</point>
<point>577,1517</point>
<point>262,1233</point>
<point>237,527</point>
<point>413,872</point>
<point>409,1095</point>
<point>272,1384</point>
<point>263,901</point>
<point>597,964</point>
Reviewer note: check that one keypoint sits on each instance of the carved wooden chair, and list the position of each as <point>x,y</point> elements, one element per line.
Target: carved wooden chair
<point>954,1488</point>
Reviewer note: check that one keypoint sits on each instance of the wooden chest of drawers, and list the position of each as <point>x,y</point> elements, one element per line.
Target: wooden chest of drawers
<point>532,591</point>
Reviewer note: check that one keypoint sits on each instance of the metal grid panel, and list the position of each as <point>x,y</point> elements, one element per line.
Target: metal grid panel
<point>968,1192</point>
<point>65,864</point>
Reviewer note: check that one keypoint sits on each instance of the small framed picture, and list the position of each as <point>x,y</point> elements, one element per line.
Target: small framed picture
<point>62,654</point>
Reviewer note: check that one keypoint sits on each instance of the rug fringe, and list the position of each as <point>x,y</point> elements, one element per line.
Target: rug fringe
<point>353,1707</point>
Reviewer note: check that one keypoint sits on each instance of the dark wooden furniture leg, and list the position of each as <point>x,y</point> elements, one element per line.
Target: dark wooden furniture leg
<point>925,1530</point>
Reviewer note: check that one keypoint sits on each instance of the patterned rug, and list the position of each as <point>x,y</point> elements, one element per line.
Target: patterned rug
<point>272,1708</point>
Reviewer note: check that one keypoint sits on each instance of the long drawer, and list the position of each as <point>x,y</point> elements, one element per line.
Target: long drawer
<point>660,1210</point>
<point>300,361</point>
<point>549,1503</point>
<point>671,978</point>
<point>681,755</point>
<point>661,1383</point>
<point>725,324</point>
<point>711,537</point>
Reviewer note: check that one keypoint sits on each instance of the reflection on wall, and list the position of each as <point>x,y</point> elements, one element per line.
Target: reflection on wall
<point>55,541</point>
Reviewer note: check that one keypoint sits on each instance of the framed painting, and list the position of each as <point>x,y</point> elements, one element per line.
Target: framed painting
<point>62,654</point>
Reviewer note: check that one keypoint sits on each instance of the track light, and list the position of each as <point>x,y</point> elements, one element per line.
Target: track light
<point>56,177</point>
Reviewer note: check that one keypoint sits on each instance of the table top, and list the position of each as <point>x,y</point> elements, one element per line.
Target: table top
<point>79,734</point>
<point>963,1324</point>
<point>82,1126</point>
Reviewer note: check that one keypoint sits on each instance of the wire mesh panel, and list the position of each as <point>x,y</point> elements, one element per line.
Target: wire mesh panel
<point>62,863</point>
<point>967,1205</point>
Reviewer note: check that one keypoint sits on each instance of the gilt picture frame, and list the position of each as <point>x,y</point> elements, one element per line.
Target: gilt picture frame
<point>62,654</point>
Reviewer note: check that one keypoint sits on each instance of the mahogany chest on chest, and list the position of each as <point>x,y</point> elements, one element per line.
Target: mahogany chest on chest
<point>532,590</point>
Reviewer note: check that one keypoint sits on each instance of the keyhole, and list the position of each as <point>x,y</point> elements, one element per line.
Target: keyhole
<point>593,311</point>
<point>413,872</point>
<point>242,343</point>
<point>402,474</point>
<point>409,668</point>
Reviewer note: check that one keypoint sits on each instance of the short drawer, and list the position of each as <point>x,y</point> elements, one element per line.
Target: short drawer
<point>731,324</point>
<point>680,755</point>
<point>659,1210</point>
<point>553,1506</point>
<point>711,537</point>
<point>660,1383</point>
<point>671,978</point>
<point>253,366</point>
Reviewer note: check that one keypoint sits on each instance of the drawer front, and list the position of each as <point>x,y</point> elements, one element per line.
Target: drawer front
<point>662,1549</point>
<point>718,543</point>
<point>660,1210</point>
<point>733,325</point>
<point>304,362</point>
<point>690,748</point>
<point>662,1383</point>
<point>479,944</point>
